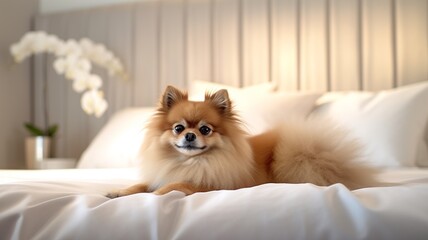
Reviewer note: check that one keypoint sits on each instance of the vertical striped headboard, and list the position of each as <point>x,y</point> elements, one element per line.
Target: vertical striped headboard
<point>298,44</point>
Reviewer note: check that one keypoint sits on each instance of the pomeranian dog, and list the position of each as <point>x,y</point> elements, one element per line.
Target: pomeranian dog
<point>202,146</point>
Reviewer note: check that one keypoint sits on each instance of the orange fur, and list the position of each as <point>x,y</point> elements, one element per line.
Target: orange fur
<point>179,153</point>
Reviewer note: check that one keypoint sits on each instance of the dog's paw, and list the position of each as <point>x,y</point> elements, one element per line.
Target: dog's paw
<point>138,188</point>
<point>162,191</point>
<point>112,195</point>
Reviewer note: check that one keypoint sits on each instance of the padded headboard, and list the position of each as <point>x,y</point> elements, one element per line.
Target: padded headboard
<point>298,44</point>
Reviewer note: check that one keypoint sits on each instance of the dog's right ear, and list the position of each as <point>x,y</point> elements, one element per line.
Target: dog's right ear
<point>171,96</point>
<point>220,100</point>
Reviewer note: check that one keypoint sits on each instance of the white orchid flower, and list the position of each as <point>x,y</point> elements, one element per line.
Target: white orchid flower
<point>84,64</point>
<point>72,48</point>
<point>100,107</point>
<point>39,45</point>
<point>93,102</point>
<point>59,65</point>
<point>80,83</point>
<point>15,50</point>
<point>79,86</point>
<point>72,72</point>
<point>94,82</point>
<point>53,43</point>
<point>87,45</point>
<point>73,60</point>
<point>84,81</point>
<point>28,37</point>
<point>60,50</point>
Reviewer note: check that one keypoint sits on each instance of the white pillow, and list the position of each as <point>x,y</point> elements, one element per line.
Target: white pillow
<point>259,107</point>
<point>391,124</point>
<point>118,142</point>
<point>269,110</point>
<point>198,88</point>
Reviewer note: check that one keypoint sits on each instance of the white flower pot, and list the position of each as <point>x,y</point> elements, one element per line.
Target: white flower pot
<point>36,150</point>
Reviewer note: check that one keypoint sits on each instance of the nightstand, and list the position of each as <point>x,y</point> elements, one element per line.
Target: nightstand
<point>58,163</point>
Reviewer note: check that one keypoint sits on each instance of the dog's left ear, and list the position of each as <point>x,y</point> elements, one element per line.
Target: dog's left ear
<point>172,96</point>
<point>220,100</point>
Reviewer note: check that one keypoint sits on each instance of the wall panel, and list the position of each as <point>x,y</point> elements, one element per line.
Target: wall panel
<point>76,120</point>
<point>146,46</point>
<point>412,30</point>
<point>344,45</point>
<point>314,65</point>
<point>285,44</point>
<point>58,93</point>
<point>39,71</point>
<point>172,38</point>
<point>314,45</point>
<point>199,43</point>
<point>97,31</point>
<point>378,45</point>
<point>120,41</point>
<point>226,35</point>
<point>255,42</point>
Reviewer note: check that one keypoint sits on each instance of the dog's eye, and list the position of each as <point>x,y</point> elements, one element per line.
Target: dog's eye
<point>178,128</point>
<point>205,130</point>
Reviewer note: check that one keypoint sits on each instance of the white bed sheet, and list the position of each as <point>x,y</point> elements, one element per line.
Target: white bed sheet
<point>70,204</point>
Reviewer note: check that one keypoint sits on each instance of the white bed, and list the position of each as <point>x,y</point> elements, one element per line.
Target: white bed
<point>71,204</point>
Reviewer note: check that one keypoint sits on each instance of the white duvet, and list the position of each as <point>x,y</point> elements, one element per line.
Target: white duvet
<point>70,204</point>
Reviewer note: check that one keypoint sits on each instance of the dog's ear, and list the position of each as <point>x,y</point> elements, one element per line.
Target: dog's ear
<point>172,96</point>
<point>220,100</point>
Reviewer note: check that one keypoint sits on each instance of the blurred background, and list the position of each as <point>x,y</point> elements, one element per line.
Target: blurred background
<point>299,45</point>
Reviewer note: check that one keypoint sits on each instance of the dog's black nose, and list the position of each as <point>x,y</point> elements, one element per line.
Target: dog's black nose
<point>190,137</point>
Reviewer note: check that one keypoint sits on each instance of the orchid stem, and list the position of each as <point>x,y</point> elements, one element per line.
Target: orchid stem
<point>45,99</point>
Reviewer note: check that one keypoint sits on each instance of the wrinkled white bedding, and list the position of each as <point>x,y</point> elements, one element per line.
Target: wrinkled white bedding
<point>70,204</point>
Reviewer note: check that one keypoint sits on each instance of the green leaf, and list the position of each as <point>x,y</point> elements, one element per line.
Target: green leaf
<point>35,131</point>
<point>52,130</point>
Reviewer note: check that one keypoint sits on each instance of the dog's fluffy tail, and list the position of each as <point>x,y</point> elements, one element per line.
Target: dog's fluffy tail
<point>318,152</point>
